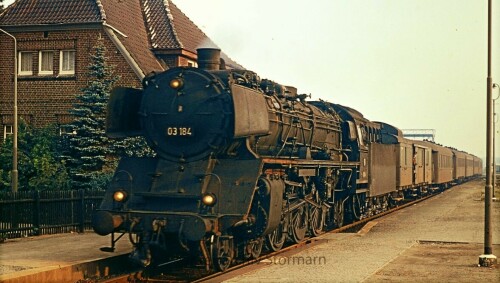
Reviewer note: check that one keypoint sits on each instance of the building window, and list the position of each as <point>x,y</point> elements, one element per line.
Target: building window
<point>67,62</point>
<point>46,63</point>
<point>7,130</point>
<point>25,64</point>
<point>66,130</point>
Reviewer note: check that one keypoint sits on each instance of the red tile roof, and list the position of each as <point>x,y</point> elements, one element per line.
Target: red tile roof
<point>44,12</point>
<point>170,28</point>
<point>143,25</point>
<point>126,17</point>
<point>158,21</point>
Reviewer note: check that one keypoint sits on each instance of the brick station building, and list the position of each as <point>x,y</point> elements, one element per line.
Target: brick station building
<point>56,37</point>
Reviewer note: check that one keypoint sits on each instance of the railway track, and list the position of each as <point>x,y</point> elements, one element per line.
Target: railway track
<point>177,271</point>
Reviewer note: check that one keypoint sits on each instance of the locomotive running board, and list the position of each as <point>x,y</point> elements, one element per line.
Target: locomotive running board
<point>313,163</point>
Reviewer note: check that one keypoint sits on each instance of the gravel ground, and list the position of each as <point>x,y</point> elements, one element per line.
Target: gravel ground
<point>453,216</point>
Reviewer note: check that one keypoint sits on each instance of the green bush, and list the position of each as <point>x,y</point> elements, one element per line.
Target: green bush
<point>39,164</point>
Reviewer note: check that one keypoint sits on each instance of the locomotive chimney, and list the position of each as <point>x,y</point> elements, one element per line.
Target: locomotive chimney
<point>208,58</point>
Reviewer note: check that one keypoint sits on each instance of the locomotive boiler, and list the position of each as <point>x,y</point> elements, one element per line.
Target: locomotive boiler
<point>240,161</point>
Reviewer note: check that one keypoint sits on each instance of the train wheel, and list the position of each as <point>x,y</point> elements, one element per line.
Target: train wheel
<point>338,214</point>
<point>317,220</point>
<point>357,207</point>
<point>276,239</point>
<point>385,203</point>
<point>299,224</point>
<point>253,248</point>
<point>222,252</point>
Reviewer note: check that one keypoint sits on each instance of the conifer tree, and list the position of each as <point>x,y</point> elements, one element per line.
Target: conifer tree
<point>88,146</point>
<point>91,156</point>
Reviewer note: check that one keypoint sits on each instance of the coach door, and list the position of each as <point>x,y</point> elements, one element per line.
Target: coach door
<point>427,165</point>
<point>418,165</point>
<point>422,165</point>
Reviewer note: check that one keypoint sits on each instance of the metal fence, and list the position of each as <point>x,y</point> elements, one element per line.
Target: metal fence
<point>33,213</point>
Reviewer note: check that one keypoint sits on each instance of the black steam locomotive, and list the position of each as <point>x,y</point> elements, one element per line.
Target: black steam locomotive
<point>242,162</point>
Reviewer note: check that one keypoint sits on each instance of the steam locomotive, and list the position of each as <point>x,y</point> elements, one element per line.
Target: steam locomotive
<point>243,162</point>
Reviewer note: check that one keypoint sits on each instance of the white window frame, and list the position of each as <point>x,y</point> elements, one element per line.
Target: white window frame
<point>19,69</point>
<point>7,131</point>
<point>64,131</point>
<point>61,63</point>
<point>191,63</point>
<point>40,71</point>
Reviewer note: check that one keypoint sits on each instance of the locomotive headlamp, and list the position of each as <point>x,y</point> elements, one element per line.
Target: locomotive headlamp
<point>120,196</point>
<point>176,83</point>
<point>209,199</point>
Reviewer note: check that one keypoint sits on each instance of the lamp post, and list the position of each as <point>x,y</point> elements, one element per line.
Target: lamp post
<point>487,258</point>
<point>494,134</point>
<point>14,173</point>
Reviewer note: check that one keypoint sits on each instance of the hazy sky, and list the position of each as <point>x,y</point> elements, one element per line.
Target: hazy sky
<point>418,64</point>
<point>412,63</point>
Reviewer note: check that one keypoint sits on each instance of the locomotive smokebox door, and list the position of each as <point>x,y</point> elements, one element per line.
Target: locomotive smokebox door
<point>122,119</point>
<point>250,112</point>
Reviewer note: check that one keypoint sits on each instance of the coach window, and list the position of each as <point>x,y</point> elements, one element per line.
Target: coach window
<point>25,63</point>
<point>46,63</point>
<point>67,62</point>
<point>404,162</point>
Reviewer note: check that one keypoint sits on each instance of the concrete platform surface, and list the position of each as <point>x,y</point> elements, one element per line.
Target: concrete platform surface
<point>438,262</point>
<point>438,240</point>
<point>53,258</point>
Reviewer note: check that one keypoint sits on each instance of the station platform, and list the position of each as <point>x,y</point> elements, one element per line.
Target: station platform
<point>438,240</point>
<point>59,258</point>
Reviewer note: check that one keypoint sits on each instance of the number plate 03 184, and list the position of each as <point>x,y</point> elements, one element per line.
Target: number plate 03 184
<point>179,131</point>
